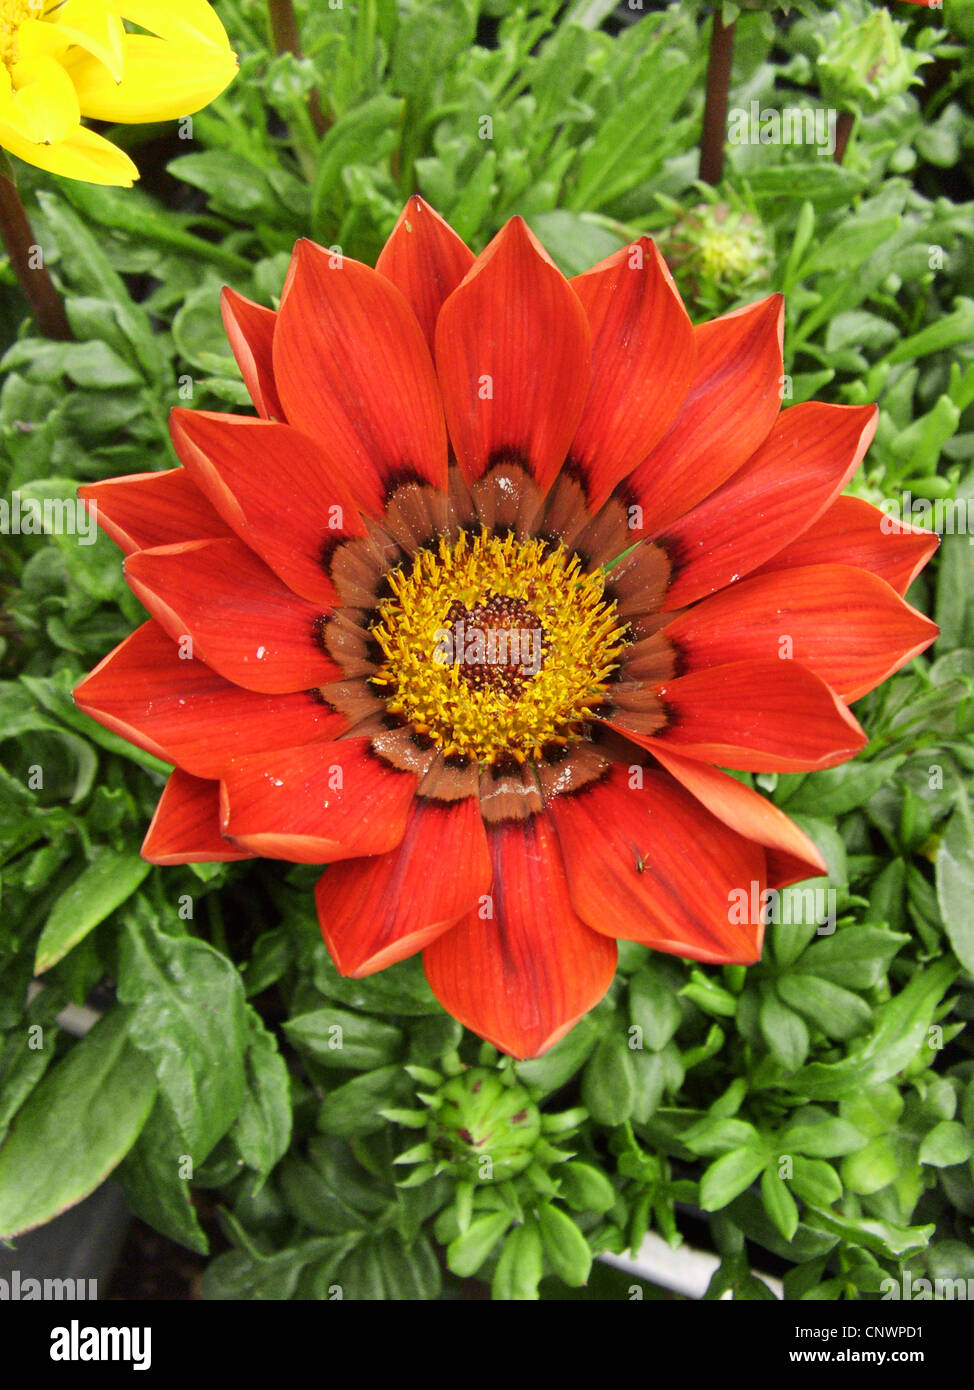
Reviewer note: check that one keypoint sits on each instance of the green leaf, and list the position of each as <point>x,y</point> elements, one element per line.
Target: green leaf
<point>339,1038</point>
<point>241,1275</point>
<point>820,1135</point>
<point>720,1134</point>
<point>188,1017</point>
<point>874,1167</point>
<point>232,183</point>
<point>566,1247</point>
<point>946,1144</point>
<point>784,1031</point>
<point>608,1084</point>
<point>815,1181</point>
<point>841,789</point>
<point>93,364</point>
<point>882,1237</point>
<point>110,878</point>
<point>955,583</point>
<point>551,1071</point>
<point>623,151</point>
<point>75,1127</point>
<point>901,1029</point>
<point>400,989</point>
<point>314,1200</point>
<point>262,1129</point>
<point>467,1252</point>
<point>649,1074</point>
<point>945,332</point>
<point>573,240</point>
<point>856,957</point>
<point>837,1011</point>
<point>955,881</point>
<point>155,1189</point>
<point>519,1268</point>
<point>91,269</point>
<point>585,1188</point>
<point>22,1061</point>
<point>358,134</point>
<point>410,1273</point>
<point>729,1176</point>
<point>654,1007</point>
<point>778,1202</point>
<point>352,1110</point>
<point>852,242</point>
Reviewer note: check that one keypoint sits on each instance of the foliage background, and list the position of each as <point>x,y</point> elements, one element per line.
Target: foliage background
<point>217,990</point>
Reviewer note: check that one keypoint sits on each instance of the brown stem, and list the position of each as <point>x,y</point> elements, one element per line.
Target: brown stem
<point>843,129</point>
<point>714,132</point>
<point>286,38</point>
<point>28,264</point>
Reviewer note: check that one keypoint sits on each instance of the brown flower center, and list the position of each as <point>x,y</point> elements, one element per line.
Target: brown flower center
<point>498,644</point>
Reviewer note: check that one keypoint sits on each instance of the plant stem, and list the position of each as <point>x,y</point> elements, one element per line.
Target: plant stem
<point>843,129</point>
<point>714,132</point>
<point>28,264</point>
<point>286,38</point>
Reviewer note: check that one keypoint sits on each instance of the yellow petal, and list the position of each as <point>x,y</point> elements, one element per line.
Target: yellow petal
<point>162,80</point>
<point>37,38</point>
<point>95,28</point>
<point>42,106</point>
<point>183,21</point>
<point>82,155</point>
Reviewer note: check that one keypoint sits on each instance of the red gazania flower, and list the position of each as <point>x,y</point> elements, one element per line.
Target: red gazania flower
<point>506,566</point>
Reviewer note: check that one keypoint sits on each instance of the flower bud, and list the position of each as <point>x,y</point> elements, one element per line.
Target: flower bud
<point>864,62</point>
<point>483,1126</point>
<point>717,254</point>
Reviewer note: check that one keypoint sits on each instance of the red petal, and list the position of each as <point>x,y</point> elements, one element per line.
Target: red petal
<point>426,260</point>
<point>186,826</point>
<point>643,357</point>
<point>312,805</point>
<point>354,372</point>
<point>241,618</point>
<point>732,404</point>
<point>250,329</point>
<point>757,716</point>
<point>185,713</point>
<point>843,623</point>
<point>376,911</point>
<point>524,976</point>
<point>512,355</point>
<point>146,509</point>
<point>650,864</point>
<point>276,489</point>
<point>806,461</point>
<point>790,854</point>
<point>853,532</point>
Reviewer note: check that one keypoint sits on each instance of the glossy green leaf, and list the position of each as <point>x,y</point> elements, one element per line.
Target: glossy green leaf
<point>76,1126</point>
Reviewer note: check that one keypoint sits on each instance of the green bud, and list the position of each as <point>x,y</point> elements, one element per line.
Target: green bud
<point>717,253</point>
<point>864,62</point>
<point>482,1127</point>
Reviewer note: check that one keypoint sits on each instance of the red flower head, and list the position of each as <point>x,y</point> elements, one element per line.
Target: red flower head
<point>507,565</point>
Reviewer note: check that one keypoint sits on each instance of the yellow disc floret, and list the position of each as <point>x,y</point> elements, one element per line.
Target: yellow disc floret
<point>496,646</point>
<point>12,15</point>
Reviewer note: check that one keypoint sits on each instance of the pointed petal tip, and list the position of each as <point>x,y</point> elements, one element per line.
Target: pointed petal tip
<point>514,238</point>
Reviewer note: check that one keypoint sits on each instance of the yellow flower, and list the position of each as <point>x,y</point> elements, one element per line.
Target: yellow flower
<point>64,59</point>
